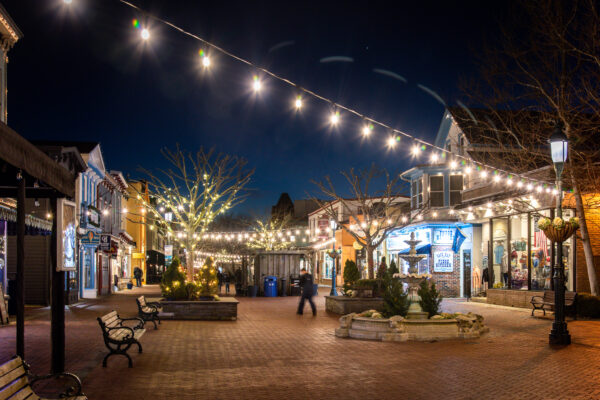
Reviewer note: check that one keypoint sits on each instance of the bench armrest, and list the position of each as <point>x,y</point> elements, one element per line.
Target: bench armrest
<point>121,327</point>
<point>73,390</point>
<point>533,299</point>
<point>139,325</point>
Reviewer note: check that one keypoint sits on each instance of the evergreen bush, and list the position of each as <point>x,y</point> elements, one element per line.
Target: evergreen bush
<point>382,269</point>
<point>351,273</point>
<point>173,284</point>
<point>430,298</point>
<point>206,279</point>
<point>393,269</point>
<point>395,299</point>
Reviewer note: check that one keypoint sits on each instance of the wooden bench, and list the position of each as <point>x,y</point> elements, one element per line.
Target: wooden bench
<point>118,337</point>
<point>546,302</point>
<point>16,382</point>
<point>148,311</point>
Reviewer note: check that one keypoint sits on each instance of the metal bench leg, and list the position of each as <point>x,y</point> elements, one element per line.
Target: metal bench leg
<point>139,346</point>
<point>154,322</point>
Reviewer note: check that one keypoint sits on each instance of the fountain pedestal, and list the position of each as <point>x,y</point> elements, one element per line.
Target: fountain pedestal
<point>413,279</point>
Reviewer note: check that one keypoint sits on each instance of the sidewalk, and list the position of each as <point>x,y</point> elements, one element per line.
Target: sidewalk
<point>270,353</point>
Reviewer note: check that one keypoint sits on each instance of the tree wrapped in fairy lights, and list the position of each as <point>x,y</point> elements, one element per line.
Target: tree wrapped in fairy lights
<point>192,192</point>
<point>269,235</point>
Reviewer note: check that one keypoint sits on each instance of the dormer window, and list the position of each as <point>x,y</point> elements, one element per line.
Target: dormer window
<point>416,194</point>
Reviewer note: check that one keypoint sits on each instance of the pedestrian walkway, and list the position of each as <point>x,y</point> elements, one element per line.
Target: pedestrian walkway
<point>270,353</point>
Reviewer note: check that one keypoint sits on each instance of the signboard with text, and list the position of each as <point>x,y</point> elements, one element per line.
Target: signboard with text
<point>66,222</point>
<point>168,253</point>
<point>443,261</point>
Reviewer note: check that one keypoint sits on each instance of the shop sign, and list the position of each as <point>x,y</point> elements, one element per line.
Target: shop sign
<point>443,236</point>
<point>107,244</point>
<point>323,225</point>
<point>442,261</point>
<point>90,238</point>
<point>168,253</point>
<point>66,221</point>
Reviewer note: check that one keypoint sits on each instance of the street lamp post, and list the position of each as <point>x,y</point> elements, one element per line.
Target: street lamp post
<point>559,335</point>
<point>333,255</point>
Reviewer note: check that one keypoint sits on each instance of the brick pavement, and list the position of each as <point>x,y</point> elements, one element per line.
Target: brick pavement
<point>269,353</point>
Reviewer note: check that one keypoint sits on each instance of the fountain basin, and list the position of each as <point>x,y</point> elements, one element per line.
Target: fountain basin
<point>399,329</point>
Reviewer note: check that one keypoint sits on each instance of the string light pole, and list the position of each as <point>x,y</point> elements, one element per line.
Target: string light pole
<point>559,335</point>
<point>335,255</point>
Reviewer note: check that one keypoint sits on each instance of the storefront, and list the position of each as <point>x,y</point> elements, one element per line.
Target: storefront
<point>448,251</point>
<point>517,255</point>
<point>88,246</point>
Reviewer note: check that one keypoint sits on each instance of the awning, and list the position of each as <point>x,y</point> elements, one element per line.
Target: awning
<point>422,249</point>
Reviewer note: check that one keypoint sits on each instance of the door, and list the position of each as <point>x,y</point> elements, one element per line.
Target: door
<point>467,270</point>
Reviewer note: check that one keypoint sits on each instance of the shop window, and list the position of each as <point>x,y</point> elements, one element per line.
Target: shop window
<point>518,252</point>
<point>499,252</point>
<point>541,252</point>
<point>456,187</point>
<point>436,190</point>
<point>416,193</point>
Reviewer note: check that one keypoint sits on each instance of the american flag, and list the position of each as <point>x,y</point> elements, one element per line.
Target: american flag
<point>540,241</point>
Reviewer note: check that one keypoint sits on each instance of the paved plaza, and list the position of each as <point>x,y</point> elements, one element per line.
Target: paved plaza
<point>270,353</point>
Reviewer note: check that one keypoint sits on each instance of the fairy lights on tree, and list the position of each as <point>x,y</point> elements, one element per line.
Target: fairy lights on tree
<point>193,192</point>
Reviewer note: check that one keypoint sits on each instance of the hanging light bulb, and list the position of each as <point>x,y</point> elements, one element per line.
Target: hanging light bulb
<point>105,211</point>
<point>496,178</point>
<point>453,164</point>
<point>298,102</point>
<point>483,173</point>
<point>391,142</point>
<point>434,157</point>
<point>145,34</point>
<point>124,210</point>
<point>468,170</point>
<point>335,118</point>
<point>415,150</point>
<point>256,85</point>
<point>367,129</point>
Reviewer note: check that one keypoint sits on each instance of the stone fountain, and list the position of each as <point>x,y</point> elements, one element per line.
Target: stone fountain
<point>413,278</point>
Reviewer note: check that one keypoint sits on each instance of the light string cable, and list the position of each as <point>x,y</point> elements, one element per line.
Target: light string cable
<point>338,106</point>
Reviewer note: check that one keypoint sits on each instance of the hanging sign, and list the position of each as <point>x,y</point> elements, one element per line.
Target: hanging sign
<point>168,253</point>
<point>91,238</point>
<point>442,261</point>
<point>443,236</point>
<point>65,223</point>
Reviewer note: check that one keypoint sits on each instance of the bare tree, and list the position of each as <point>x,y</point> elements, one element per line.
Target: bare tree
<point>193,192</point>
<point>374,205</point>
<point>545,70</point>
<point>269,236</point>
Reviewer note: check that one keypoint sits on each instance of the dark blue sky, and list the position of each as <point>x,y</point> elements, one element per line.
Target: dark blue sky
<point>83,75</point>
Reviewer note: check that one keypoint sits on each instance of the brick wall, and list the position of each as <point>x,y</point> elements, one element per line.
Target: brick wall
<point>593,223</point>
<point>448,283</point>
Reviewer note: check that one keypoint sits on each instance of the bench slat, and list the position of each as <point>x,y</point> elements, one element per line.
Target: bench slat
<point>16,373</point>
<point>112,314</point>
<point>14,388</point>
<point>138,333</point>
<point>25,393</point>
<point>142,301</point>
<point>10,365</point>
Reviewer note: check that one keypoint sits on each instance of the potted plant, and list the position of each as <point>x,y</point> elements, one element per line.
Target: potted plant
<point>558,230</point>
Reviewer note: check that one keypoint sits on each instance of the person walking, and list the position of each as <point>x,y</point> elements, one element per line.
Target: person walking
<point>226,279</point>
<point>306,283</point>
<point>220,280</point>
<point>137,274</point>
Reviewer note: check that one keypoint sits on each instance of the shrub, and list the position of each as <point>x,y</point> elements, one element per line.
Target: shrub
<point>395,299</point>
<point>430,298</point>
<point>206,279</point>
<point>173,284</point>
<point>351,272</point>
<point>382,270</point>
<point>393,269</point>
<point>588,306</point>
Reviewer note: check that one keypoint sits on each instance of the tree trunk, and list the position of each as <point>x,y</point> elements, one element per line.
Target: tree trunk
<point>189,260</point>
<point>370,262</point>
<point>585,241</point>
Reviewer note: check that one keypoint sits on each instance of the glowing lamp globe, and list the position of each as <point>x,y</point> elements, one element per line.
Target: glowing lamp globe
<point>559,146</point>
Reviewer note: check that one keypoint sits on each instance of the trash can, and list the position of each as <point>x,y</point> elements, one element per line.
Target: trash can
<point>283,292</point>
<point>295,286</point>
<point>270,286</point>
<point>252,289</point>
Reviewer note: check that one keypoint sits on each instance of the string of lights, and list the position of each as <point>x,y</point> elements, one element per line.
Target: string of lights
<point>419,147</point>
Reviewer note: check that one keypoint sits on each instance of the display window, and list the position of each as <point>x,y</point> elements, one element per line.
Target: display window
<point>500,252</point>
<point>518,252</point>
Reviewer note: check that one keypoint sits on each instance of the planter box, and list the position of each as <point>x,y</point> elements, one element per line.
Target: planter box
<point>512,298</point>
<point>346,305</point>
<point>222,310</point>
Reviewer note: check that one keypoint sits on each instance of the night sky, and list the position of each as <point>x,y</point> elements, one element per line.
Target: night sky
<point>82,73</point>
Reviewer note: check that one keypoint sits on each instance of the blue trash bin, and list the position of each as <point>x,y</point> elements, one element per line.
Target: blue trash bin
<point>270,286</point>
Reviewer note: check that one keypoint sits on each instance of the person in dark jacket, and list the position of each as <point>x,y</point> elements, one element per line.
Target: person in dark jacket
<point>137,274</point>
<point>227,280</point>
<point>306,283</point>
<point>220,280</point>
